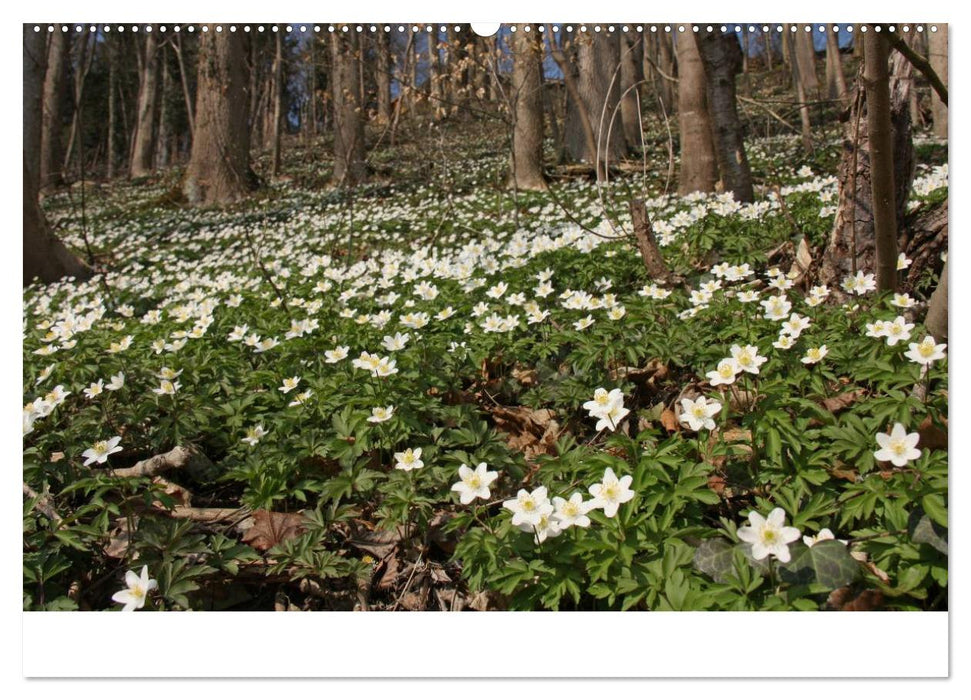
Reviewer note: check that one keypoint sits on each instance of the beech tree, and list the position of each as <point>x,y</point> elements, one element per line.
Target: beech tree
<point>55,90</point>
<point>45,256</point>
<point>722,60</point>
<point>699,166</point>
<point>937,50</point>
<point>526,109</point>
<point>350,167</point>
<point>143,147</point>
<point>219,170</point>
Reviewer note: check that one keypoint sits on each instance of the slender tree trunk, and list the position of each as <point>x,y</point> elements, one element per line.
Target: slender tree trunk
<point>145,131</point>
<point>721,57</point>
<point>219,171</point>
<point>85,58</point>
<point>176,45</point>
<point>112,105</point>
<point>699,166</point>
<point>835,78</point>
<point>435,84</point>
<point>598,84</point>
<point>937,50</point>
<point>806,58</point>
<point>526,96</point>
<point>665,61</point>
<point>350,168</point>
<point>313,85</point>
<point>163,141</point>
<point>574,98</point>
<point>277,102</point>
<point>55,84</point>
<point>631,77</point>
<point>383,77</point>
<point>798,85</point>
<point>876,52</point>
<point>767,38</point>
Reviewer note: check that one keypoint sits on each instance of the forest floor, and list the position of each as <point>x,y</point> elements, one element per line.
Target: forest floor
<point>433,392</point>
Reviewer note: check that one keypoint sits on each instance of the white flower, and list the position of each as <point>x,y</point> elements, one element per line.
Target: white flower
<point>611,492</point>
<point>748,358</point>
<point>814,355</point>
<point>784,342</point>
<point>301,398</point>
<point>824,534</point>
<point>583,323</point>
<point>254,434</point>
<point>896,330</point>
<point>877,329</point>
<point>45,374</point>
<point>608,407</point>
<point>699,413</point>
<point>776,308</point>
<point>167,387</point>
<point>547,526</point>
<point>289,384</point>
<point>396,342</point>
<point>768,535</point>
<point>100,451</point>
<point>409,459</point>
<point>95,389</point>
<point>529,507</point>
<point>133,597</point>
<point>474,484</point>
<point>899,447</point>
<point>725,373</point>
<point>381,414</point>
<point>903,301</point>
<point>795,325</point>
<point>571,512</point>
<point>926,351</point>
<point>903,262</point>
<point>336,355</point>
<point>117,382</point>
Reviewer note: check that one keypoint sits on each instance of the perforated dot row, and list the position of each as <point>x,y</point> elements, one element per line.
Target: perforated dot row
<point>401,28</point>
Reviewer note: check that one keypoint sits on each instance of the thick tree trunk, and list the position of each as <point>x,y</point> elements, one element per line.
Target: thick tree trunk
<point>835,78</point>
<point>598,84</point>
<point>526,108</point>
<point>573,98</point>
<point>721,57</point>
<point>852,243</point>
<point>55,90</point>
<point>435,81</point>
<point>35,65</point>
<point>277,102</point>
<point>936,321</point>
<point>631,77</point>
<point>699,166</point>
<point>937,48</point>
<point>219,171</point>
<point>383,77</point>
<point>145,131</point>
<point>876,80</point>
<point>350,168</point>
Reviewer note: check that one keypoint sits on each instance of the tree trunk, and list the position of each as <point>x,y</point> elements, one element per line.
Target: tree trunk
<point>876,52</point>
<point>163,141</point>
<point>277,102</point>
<point>219,171</point>
<point>806,58</point>
<point>383,77</point>
<point>721,57</point>
<point>699,166</point>
<point>799,85</point>
<point>573,98</point>
<point>665,61</point>
<point>144,146</point>
<point>112,105</point>
<point>350,168</point>
<point>631,77</point>
<point>936,321</point>
<point>852,243</point>
<point>768,48</point>
<point>835,78</point>
<point>435,86</point>
<point>85,59</point>
<point>35,65</point>
<point>55,89</point>
<point>526,96</point>
<point>598,84</point>
<point>176,46</point>
<point>937,50</point>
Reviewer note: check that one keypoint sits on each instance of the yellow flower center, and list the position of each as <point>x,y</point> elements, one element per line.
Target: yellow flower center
<point>101,446</point>
<point>474,481</point>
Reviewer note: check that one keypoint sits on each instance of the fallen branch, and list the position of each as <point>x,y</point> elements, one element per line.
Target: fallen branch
<point>43,505</point>
<point>176,458</point>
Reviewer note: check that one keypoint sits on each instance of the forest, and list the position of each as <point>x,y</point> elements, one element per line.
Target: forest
<point>405,318</point>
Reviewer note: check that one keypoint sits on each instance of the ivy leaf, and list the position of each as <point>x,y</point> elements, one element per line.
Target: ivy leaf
<point>923,530</point>
<point>714,557</point>
<point>828,563</point>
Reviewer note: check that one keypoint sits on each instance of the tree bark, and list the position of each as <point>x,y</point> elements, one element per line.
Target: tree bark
<point>526,96</point>
<point>112,105</point>
<point>877,83</point>
<point>435,86</point>
<point>806,58</point>
<point>721,57</point>
<point>799,85</point>
<point>597,80</point>
<point>219,171</point>
<point>852,244</point>
<point>936,321</point>
<point>145,126</point>
<point>937,50</point>
<point>573,99</point>
<point>350,168</point>
<point>277,102</point>
<point>665,61</point>
<point>699,166</point>
<point>55,89</point>
<point>35,66</point>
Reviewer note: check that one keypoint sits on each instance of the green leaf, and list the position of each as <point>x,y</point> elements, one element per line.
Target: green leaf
<point>936,508</point>
<point>828,563</point>
<point>714,557</point>
<point>923,530</point>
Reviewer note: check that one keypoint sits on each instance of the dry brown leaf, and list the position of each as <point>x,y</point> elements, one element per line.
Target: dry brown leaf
<point>119,538</point>
<point>270,528</point>
<point>530,431</point>
<point>848,600</point>
<point>835,404</point>
<point>932,436</point>
<point>802,263</point>
<point>379,543</point>
<point>669,420</point>
<point>56,457</point>
<point>526,376</point>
